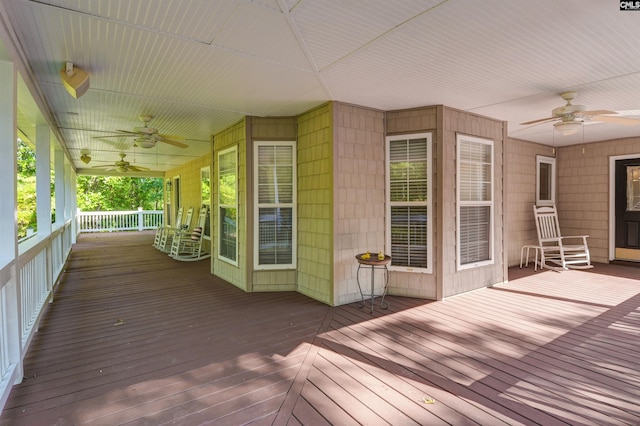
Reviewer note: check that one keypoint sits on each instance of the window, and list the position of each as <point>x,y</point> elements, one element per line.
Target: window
<point>633,188</point>
<point>545,181</point>
<point>205,197</point>
<point>409,202</point>
<point>228,205</point>
<point>475,201</point>
<point>275,189</point>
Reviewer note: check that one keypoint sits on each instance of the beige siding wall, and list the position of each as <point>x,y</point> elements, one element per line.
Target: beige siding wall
<point>359,196</point>
<point>416,121</point>
<point>453,281</point>
<point>190,190</point>
<point>520,190</point>
<point>234,136</point>
<point>266,129</point>
<point>583,190</point>
<point>315,204</point>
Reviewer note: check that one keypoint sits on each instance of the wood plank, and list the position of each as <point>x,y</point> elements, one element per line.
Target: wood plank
<point>134,337</point>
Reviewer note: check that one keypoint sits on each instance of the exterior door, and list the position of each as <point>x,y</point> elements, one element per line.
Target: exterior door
<point>627,209</point>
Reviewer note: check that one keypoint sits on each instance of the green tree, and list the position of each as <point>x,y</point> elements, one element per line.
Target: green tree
<point>26,187</point>
<point>109,193</point>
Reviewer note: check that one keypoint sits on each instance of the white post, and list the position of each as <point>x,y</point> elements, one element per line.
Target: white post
<point>59,186</point>
<point>140,219</point>
<point>8,221</point>
<point>43,179</point>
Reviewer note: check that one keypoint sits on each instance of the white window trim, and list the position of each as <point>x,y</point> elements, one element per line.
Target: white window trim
<point>428,137</point>
<point>220,256</point>
<point>491,260</point>
<point>540,159</point>
<point>257,206</point>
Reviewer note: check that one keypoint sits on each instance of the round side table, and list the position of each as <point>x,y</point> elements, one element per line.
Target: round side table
<point>374,264</point>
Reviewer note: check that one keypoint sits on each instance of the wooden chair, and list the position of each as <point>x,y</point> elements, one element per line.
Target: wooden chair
<point>161,229</point>
<point>187,246</point>
<point>167,237</point>
<point>555,253</point>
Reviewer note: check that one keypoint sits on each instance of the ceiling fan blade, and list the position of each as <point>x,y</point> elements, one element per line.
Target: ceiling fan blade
<point>137,168</point>
<point>129,132</point>
<point>174,143</point>
<point>597,112</point>
<point>172,137</point>
<point>541,120</point>
<point>625,121</point>
<point>102,166</point>
<point>116,136</point>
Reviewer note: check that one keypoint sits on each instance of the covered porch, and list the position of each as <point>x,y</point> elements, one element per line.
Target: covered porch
<point>133,337</point>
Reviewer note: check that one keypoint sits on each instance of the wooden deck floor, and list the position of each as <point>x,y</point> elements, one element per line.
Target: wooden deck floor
<point>134,337</point>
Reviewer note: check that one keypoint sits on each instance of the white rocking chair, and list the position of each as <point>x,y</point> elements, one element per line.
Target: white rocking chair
<point>187,246</point>
<point>161,229</point>
<point>555,253</point>
<point>168,235</point>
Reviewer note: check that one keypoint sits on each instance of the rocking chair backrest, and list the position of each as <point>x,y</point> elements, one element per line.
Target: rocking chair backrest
<point>547,223</point>
<point>187,219</point>
<point>178,221</point>
<point>202,216</point>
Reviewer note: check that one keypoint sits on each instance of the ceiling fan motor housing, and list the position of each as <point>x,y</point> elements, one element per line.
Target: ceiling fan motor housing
<point>568,109</point>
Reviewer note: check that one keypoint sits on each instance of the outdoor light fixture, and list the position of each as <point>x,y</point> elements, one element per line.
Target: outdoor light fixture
<point>568,127</point>
<point>74,80</point>
<point>85,157</point>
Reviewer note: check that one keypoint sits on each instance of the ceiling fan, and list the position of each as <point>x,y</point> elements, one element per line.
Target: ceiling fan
<point>570,118</point>
<point>122,166</point>
<point>147,137</point>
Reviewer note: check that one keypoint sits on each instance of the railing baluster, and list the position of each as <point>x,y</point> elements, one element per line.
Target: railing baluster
<point>139,220</point>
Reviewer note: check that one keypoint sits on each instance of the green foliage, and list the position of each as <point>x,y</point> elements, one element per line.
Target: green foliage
<point>94,192</point>
<point>26,189</point>
<point>111,193</point>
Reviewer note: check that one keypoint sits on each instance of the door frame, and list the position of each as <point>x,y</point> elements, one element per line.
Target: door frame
<point>612,200</point>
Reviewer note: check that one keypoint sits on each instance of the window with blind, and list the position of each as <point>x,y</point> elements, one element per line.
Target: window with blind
<point>409,202</point>
<point>275,205</point>
<point>228,205</point>
<point>475,201</point>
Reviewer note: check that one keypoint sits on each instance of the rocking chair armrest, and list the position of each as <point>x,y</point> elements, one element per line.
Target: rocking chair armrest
<point>576,237</point>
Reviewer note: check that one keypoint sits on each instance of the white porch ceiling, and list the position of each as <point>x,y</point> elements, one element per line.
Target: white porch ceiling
<point>199,66</point>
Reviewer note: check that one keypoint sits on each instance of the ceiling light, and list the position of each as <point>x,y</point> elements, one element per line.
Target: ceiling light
<point>145,143</point>
<point>85,158</point>
<point>122,169</point>
<point>568,127</point>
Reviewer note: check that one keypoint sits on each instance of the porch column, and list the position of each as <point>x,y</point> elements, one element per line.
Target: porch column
<point>10,327</point>
<point>43,179</point>
<point>59,186</point>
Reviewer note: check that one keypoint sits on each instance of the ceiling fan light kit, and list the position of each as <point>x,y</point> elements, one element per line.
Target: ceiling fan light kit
<point>145,143</point>
<point>568,127</point>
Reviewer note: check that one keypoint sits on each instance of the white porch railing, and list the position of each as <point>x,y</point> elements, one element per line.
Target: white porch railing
<point>39,265</point>
<point>133,220</point>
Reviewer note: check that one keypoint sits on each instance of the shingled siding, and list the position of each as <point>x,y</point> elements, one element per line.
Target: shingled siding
<point>315,204</point>
<point>233,136</point>
<point>520,187</point>
<point>358,193</point>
